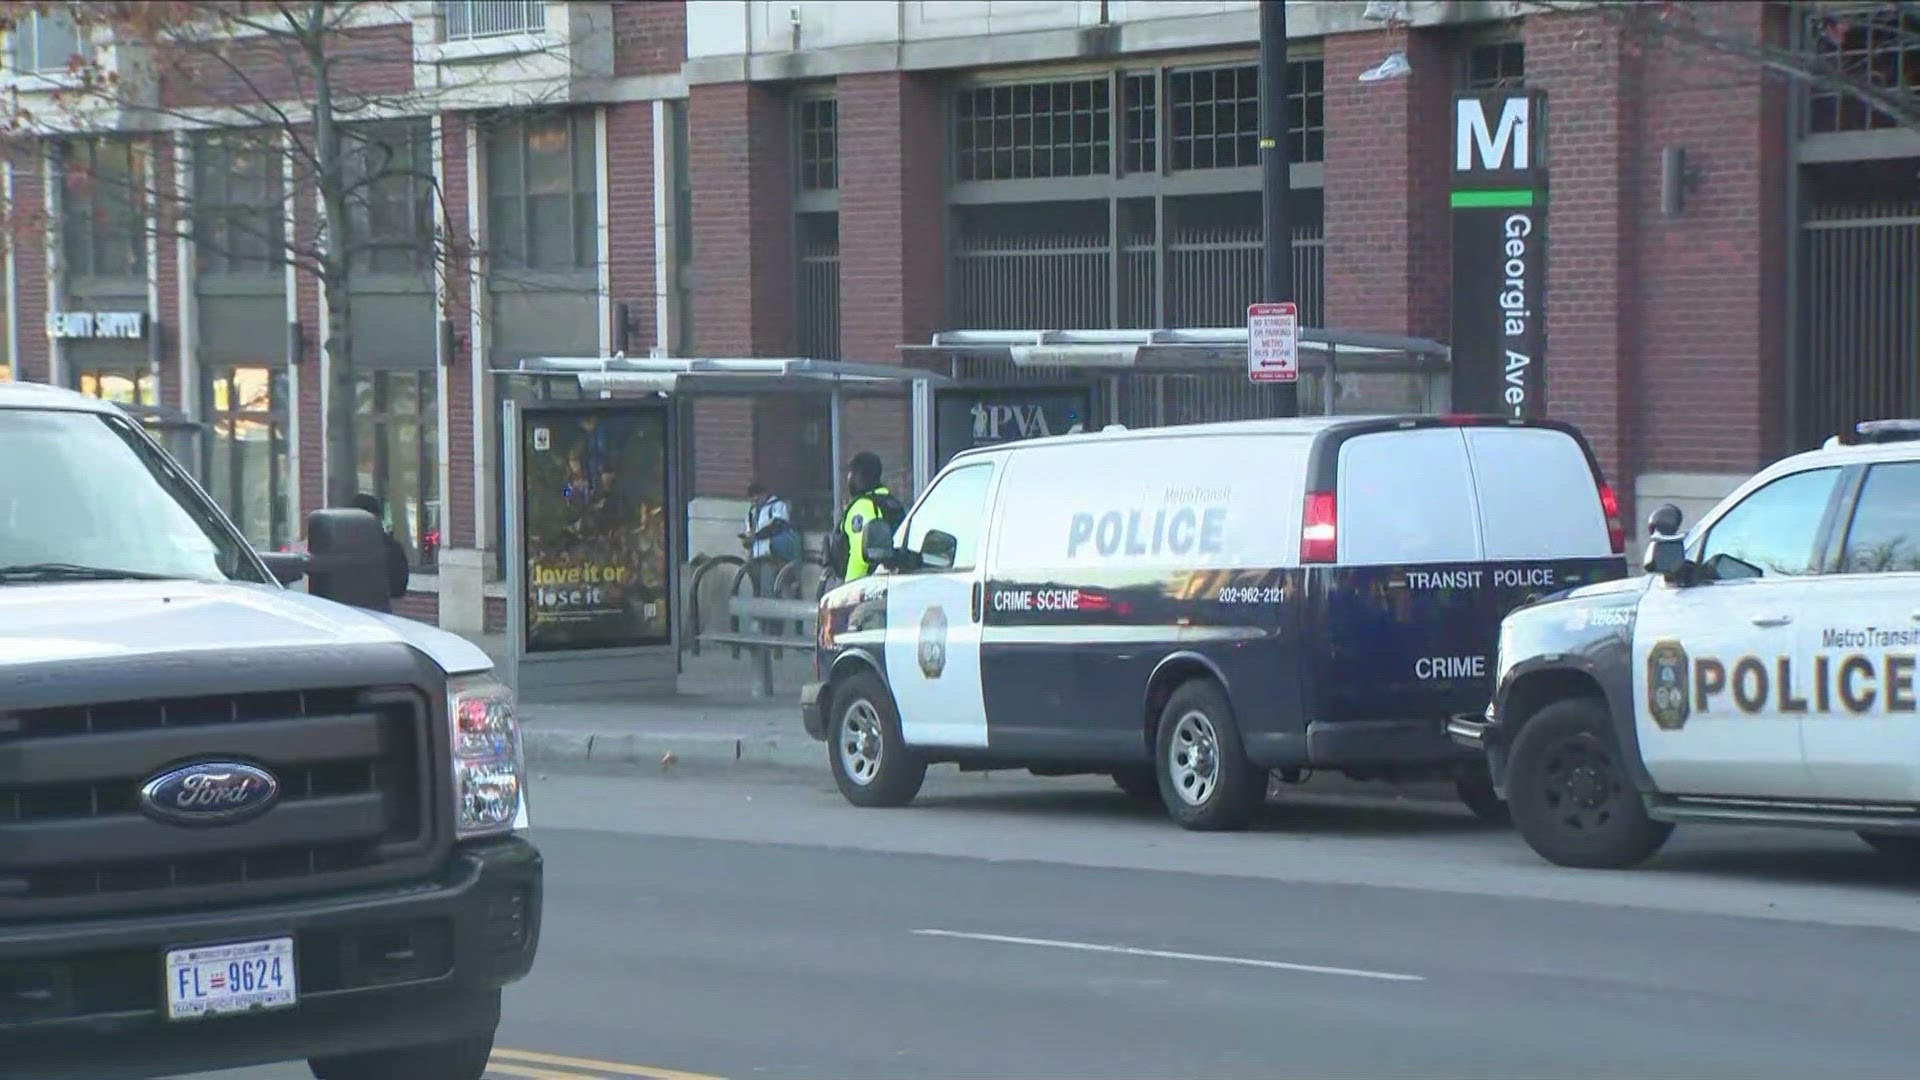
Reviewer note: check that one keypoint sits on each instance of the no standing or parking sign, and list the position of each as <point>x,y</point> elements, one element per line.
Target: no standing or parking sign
<point>1273,342</point>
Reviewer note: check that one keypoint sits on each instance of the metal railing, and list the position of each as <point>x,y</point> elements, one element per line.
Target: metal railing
<point>466,20</point>
<point>1860,352</point>
<point>1208,277</point>
<point>819,300</point>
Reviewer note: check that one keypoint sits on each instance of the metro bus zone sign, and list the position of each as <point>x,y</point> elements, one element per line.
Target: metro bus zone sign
<point>1273,342</point>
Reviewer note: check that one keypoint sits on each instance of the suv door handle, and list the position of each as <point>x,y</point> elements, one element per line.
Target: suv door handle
<point>978,588</point>
<point>1772,620</point>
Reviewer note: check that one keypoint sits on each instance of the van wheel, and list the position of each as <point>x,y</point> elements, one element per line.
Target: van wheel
<point>871,762</point>
<point>1475,788</point>
<point>1569,794</point>
<point>1903,848</point>
<point>1140,785</point>
<point>1205,780</point>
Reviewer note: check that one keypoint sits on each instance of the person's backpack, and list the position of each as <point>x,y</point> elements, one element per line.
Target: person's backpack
<point>892,510</point>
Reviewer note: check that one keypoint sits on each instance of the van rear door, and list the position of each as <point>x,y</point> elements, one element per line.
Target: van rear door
<point>1441,530</point>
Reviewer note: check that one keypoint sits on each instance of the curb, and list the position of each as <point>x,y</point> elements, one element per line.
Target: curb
<point>648,752</point>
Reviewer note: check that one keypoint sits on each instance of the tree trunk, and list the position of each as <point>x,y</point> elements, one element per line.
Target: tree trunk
<point>343,467</point>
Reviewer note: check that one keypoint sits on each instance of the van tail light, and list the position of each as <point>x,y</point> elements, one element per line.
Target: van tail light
<point>1616,532</point>
<point>1320,529</point>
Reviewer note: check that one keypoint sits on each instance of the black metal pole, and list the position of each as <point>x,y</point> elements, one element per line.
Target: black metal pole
<point>1276,181</point>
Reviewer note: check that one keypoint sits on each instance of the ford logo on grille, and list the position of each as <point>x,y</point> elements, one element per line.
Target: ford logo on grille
<point>209,793</point>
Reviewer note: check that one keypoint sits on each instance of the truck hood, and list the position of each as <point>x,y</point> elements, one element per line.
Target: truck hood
<point>42,623</point>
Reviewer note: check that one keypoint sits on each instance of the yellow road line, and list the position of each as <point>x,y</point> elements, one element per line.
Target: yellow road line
<point>508,1060</point>
<point>522,1072</point>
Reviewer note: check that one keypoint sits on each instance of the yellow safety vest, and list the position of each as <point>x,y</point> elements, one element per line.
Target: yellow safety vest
<point>854,524</point>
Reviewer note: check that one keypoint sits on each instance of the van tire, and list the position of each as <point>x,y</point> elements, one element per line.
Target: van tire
<point>1198,717</point>
<point>1140,785</point>
<point>871,762</point>
<point>1475,788</point>
<point>1601,823</point>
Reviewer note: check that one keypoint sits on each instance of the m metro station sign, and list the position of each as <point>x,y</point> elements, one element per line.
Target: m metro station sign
<point>1499,210</point>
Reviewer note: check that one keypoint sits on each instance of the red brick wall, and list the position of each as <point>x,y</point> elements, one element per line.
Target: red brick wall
<point>1388,243</point>
<point>166,269</point>
<point>1708,288</point>
<point>649,36</point>
<point>27,225</point>
<point>455,133</point>
<point>1578,62</point>
<point>369,60</point>
<point>630,217</point>
<point>740,163</point>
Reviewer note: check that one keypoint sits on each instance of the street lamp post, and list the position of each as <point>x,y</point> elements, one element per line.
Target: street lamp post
<point>1276,182</point>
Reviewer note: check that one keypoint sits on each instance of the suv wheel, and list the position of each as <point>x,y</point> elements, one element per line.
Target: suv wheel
<point>871,762</point>
<point>1569,794</point>
<point>1205,780</point>
<point>456,1059</point>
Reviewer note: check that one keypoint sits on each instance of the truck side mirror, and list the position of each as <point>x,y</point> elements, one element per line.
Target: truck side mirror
<point>1666,556</point>
<point>1665,520</point>
<point>347,558</point>
<point>876,542</point>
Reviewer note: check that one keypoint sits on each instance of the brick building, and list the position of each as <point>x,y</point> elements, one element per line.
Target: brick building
<point>724,178</point>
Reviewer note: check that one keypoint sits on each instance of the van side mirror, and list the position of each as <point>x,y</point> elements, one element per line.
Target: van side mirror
<point>1665,520</point>
<point>347,558</point>
<point>1666,556</point>
<point>876,543</point>
<point>939,550</point>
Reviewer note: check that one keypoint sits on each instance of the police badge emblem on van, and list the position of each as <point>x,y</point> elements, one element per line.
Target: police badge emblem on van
<point>933,642</point>
<point>1667,685</point>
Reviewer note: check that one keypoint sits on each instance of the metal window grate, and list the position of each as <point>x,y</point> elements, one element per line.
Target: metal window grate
<point>1860,346</point>
<point>1875,45</point>
<point>1495,65</point>
<point>465,20</point>
<point>1030,131</point>
<point>1214,115</point>
<point>819,299</point>
<point>818,157</point>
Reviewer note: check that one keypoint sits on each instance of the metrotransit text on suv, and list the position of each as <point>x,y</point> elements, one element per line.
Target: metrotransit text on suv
<point>239,823</point>
<point>1764,670</point>
<point>1192,609</point>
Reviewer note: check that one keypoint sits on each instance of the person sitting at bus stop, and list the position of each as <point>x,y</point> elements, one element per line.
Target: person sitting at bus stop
<point>869,499</point>
<point>770,539</point>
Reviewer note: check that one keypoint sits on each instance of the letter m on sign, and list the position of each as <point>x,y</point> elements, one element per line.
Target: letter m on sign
<point>1501,145</point>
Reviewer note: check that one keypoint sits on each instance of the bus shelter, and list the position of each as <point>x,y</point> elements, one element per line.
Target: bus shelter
<point>1003,385</point>
<point>599,483</point>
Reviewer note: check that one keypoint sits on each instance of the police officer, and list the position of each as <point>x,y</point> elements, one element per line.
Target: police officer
<point>868,499</point>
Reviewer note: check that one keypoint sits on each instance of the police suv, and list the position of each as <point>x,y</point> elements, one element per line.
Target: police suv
<point>239,823</point>
<point>1762,671</point>
<point>1189,609</point>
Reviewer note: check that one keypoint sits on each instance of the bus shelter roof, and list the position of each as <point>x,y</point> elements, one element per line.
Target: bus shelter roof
<point>1199,347</point>
<point>723,376</point>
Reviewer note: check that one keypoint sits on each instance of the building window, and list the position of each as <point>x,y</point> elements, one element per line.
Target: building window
<point>1214,116</point>
<point>1033,131</point>
<point>816,122</point>
<point>239,214</point>
<point>246,451</point>
<point>398,456</point>
<point>1495,65</point>
<point>45,42</point>
<point>542,208</point>
<point>102,208</point>
<point>122,386</point>
<point>1874,45</point>
<point>1140,98</point>
<point>390,206</point>
<point>465,20</point>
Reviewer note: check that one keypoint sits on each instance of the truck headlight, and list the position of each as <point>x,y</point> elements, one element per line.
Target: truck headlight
<point>489,769</point>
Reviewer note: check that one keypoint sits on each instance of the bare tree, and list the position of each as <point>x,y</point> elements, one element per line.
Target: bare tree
<point>1851,49</point>
<point>305,85</point>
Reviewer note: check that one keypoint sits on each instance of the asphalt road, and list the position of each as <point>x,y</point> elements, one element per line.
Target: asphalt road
<point>718,926</point>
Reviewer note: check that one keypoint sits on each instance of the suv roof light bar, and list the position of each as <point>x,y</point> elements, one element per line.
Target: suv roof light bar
<point>1883,431</point>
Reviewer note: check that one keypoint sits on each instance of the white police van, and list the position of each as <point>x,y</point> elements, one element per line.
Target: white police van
<point>1190,609</point>
<point>1762,671</point>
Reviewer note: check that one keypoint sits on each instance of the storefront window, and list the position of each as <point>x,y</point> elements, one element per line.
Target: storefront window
<point>398,431</point>
<point>6,372</point>
<point>121,386</point>
<point>239,212</point>
<point>390,209</point>
<point>103,216</point>
<point>246,452</point>
<point>542,210</point>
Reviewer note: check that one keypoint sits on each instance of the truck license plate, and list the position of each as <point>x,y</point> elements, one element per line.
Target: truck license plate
<point>213,980</point>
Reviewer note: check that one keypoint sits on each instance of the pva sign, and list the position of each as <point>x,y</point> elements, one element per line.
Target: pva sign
<point>1497,137</point>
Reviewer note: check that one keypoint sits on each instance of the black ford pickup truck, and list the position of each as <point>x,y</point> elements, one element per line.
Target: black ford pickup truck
<point>239,823</point>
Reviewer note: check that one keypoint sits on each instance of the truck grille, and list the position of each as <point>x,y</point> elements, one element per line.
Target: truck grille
<point>353,806</point>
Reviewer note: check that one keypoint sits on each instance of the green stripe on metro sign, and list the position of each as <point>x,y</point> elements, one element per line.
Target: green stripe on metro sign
<point>1468,200</point>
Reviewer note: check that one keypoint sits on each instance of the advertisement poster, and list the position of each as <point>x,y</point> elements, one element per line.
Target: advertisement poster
<point>965,418</point>
<point>597,539</point>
